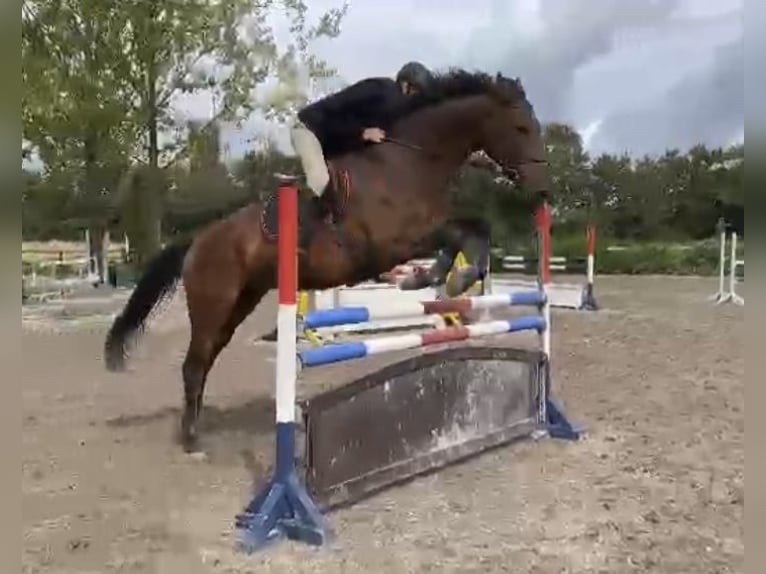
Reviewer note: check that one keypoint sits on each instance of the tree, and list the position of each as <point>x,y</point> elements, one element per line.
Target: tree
<point>204,144</point>
<point>255,172</point>
<point>101,78</point>
<point>569,167</point>
<point>72,104</point>
<point>610,180</point>
<point>176,48</point>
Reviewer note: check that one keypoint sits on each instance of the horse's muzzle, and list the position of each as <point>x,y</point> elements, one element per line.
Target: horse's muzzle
<point>533,176</point>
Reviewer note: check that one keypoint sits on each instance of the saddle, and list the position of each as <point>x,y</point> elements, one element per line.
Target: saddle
<point>334,200</point>
<point>313,212</point>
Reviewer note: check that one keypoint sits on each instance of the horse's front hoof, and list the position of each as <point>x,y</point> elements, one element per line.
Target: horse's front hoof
<point>462,280</point>
<point>198,456</point>
<point>189,442</point>
<point>193,450</point>
<point>271,336</point>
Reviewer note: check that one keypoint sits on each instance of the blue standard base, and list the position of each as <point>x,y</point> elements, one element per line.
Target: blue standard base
<point>558,425</point>
<point>283,509</point>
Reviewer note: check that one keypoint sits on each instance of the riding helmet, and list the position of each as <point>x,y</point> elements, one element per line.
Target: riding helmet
<point>416,74</point>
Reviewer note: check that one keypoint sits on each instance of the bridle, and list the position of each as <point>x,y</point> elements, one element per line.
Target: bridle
<point>405,144</point>
<point>512,173</point>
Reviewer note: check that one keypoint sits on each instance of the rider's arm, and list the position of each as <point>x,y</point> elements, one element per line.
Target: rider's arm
<point>395,104</point>
<point>336,116</point>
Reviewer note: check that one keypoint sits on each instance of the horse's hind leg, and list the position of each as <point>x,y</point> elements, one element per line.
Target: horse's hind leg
<point>209,337</point>
<point>197,363</point>
<point>208,314</point>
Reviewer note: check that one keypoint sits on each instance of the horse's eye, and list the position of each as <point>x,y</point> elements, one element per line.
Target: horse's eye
<point>523,130</point>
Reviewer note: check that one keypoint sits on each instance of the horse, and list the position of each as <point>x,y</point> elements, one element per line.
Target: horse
<point>394,208</point>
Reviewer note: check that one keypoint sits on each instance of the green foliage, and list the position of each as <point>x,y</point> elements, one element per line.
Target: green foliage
<point>568,161</point>
<point>627,207</point>
<point>141,194</point>
<point>665,259</point>
<point>254,174</point>
<point>699,258</point>
<point>100,80</point>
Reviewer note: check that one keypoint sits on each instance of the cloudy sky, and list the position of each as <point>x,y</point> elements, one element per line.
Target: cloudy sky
<point>631,75</point>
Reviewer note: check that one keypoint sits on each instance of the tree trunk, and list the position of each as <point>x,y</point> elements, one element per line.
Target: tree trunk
<point>153,224</point>
<point>91,189</point>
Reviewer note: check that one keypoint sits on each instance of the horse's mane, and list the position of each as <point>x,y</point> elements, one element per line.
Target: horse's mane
<point>458,83</point>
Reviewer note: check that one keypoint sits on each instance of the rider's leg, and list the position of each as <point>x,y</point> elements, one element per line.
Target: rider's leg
<point>314,166</point>
<point>309,150</point>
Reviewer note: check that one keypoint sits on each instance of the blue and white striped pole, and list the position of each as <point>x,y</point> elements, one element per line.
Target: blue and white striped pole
<point>407,309</point>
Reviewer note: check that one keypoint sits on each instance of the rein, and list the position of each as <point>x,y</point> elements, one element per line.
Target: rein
<point>404,144</point>
<point>484,161</point>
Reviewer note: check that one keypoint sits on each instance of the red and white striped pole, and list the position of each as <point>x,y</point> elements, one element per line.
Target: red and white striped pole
<point>591,233</point>
<point>591,261</point>
<point>543,221</point>
<point>550,414</point>
<point>589,296</point>
<point>287,314</point>
<point>283,507</point>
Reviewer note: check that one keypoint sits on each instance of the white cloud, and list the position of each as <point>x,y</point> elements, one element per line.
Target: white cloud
<point>582,61</point>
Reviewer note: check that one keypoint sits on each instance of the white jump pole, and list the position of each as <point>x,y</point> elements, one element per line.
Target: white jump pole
<point>543,222</point>
<point>106,241</point>
<point>727,292</point>
<point>92,266</point>
<point>733,297</point>
<point>550,414</point>
<point>722,264</point>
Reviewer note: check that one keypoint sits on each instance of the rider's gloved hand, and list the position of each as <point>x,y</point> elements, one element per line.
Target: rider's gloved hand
<point>374,135</point>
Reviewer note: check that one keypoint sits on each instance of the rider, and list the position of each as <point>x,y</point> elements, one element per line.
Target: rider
<point>352,118</point>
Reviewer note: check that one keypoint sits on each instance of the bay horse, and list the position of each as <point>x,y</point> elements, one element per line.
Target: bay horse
<point>395,208</point>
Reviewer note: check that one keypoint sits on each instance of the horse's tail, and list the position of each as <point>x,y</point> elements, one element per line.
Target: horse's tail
<point>158,282</point>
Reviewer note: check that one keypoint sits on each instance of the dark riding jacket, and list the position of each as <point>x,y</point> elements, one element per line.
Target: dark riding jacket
<point>339,119</point>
